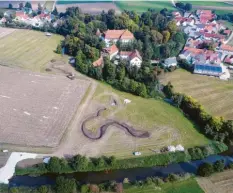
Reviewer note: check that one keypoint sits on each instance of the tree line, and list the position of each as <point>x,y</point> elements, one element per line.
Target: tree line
<point>81,163</point>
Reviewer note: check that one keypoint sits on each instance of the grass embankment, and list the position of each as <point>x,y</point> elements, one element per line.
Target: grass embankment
<point>28,49</point>
<point>141,6</point>
<point>214,94</point>
<point>187,186</point>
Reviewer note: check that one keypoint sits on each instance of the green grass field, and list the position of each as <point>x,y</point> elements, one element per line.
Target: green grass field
<point>207,3</point>
<point>28,49</point>
<point>49,5</point>
<point>141,6</point>
<point>214,94</point>
<point>188,186</point>
<point>165,122</point>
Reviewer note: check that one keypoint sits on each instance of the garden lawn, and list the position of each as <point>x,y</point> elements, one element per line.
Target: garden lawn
<point>214,94</point>
<point>141,6</point>
<point>187,186</point>
<point>28,49</point>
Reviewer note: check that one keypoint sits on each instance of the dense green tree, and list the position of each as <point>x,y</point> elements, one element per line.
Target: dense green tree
<point>28,5</point>
<point>168,90</point>
<point>141,90</point>
<point>120,72</point>
<point>219,166</point>
<point>65,185</point>
<point>21,6</point>
<point>55,12</point>
<point>10,6</point>
<point>205,169</point>
<point>79,162</point>
<point>172,27</point>
<point>59,49</point>
<point>166,36</point>
<point>109,70</point>
<point>188,6</point>
<point>156,36</point>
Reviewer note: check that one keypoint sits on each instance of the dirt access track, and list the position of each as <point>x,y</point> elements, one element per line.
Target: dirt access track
<point>37,108</point>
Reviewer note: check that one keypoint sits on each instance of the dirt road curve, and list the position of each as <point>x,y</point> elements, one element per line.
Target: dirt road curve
<point>103,128</point>
<point>69,140</point>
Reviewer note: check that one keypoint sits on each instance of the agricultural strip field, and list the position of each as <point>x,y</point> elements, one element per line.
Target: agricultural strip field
<point>165,123</point>
<point>37,108</point>
<point>187,186</point>
<point>214,94</point>
<point>91,7</point>
<point>217,183</point>
<point>141,6</point>
<point>28,49</point>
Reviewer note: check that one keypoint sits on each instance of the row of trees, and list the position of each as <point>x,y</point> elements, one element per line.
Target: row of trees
<point>184,6</point>
<point>206,169</point>
<point>81,163</point>
<point>215,128</point>
<point>69,185</point>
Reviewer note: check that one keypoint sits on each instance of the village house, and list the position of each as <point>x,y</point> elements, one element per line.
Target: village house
<point>229,59</point>
<point>205,16</point>
<point>3,20</point>
<point>176,14</point>
<point>208,69</point>
<point>21,16</point>
<point>182,21</point>
<point>133,57</point>
<point>112,36</point>
<point>99,62</point>
<point>110,52</point>
<point>170,62</point>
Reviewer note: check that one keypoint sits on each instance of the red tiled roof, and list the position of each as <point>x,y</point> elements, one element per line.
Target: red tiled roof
<point>118,34</point>
<point>131,54</point>
<point>226,47</point>
<point>98,62</point>
<point>21,14</point>
<point>227,32</point>
<point>112,49</point>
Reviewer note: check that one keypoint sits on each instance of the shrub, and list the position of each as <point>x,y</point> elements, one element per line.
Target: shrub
<point>219,166</point>
<point>205,169</point>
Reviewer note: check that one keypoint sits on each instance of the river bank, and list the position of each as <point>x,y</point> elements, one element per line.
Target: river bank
<point>119,175</point>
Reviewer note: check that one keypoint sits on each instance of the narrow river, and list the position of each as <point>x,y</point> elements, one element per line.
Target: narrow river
<point>119,175</point>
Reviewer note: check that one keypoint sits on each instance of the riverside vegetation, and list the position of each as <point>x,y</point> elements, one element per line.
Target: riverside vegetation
<point>81,163</point>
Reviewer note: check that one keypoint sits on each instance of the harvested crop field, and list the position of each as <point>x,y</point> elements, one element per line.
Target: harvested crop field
<point>217,183</point>
<point>5,31</point>
<point>36,108</point>
<point>28,49</point>
<point>214,94</point>
<point>91,8</point>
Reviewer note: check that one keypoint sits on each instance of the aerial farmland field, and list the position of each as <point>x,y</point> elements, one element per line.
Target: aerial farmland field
<point>141,6</point>
<point>217,183</point>
<point>166,125</point>
<point>27,49</point>
<point>36,108</point>
<point>214,94</point>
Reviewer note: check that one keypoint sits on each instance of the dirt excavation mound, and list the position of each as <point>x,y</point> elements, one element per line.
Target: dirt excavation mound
<point>103,128</point>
